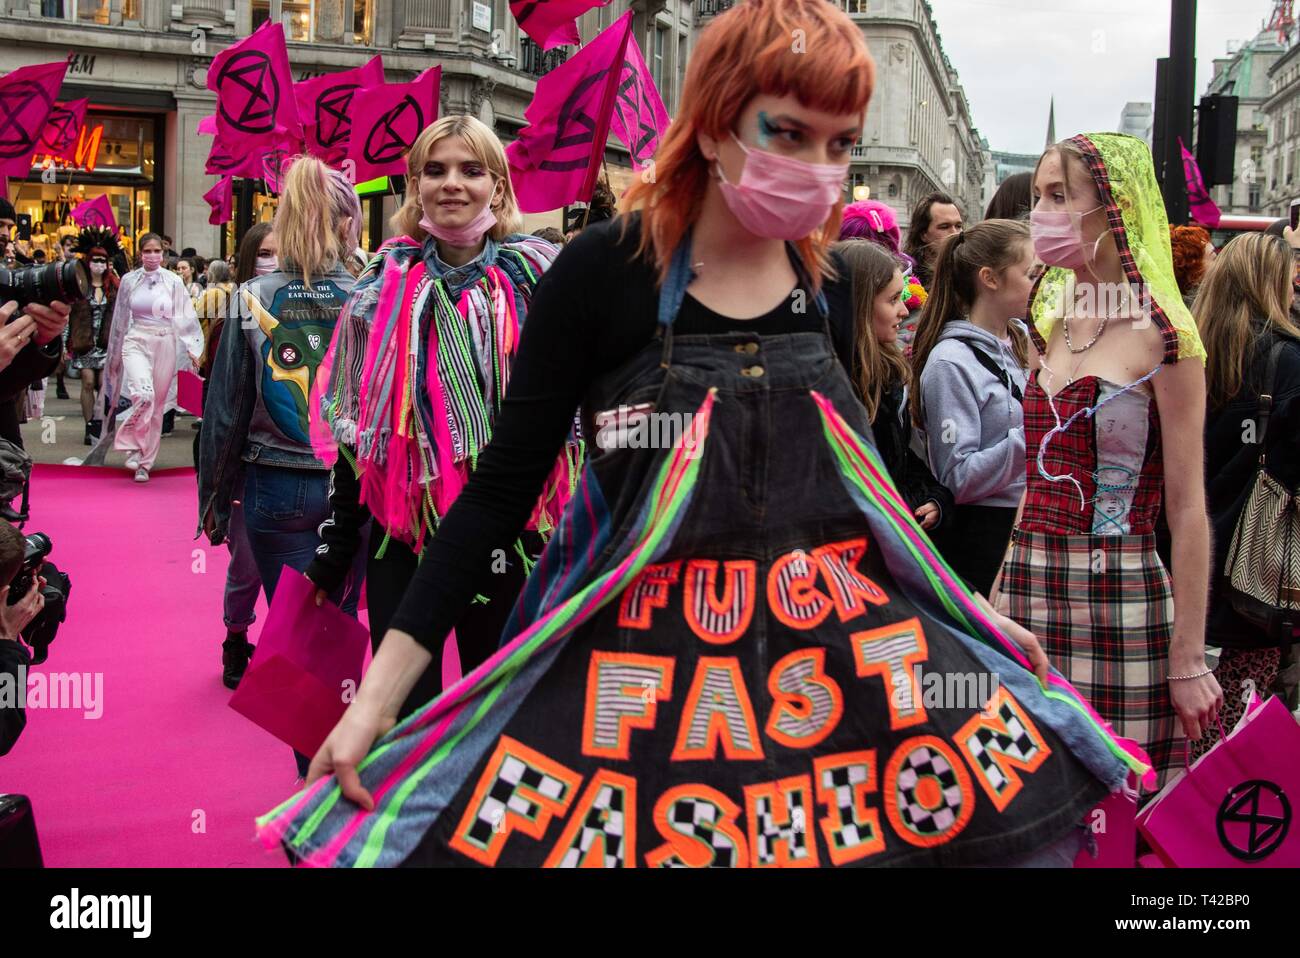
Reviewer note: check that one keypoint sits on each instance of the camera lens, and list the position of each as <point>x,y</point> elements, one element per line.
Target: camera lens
<point>67,282</point>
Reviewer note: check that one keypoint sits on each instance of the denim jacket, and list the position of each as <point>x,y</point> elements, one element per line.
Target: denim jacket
<point>256,408</point>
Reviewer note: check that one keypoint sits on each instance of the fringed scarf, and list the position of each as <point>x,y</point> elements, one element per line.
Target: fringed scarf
<point>415,375</point>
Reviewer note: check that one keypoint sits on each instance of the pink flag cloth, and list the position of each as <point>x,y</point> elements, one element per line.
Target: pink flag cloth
<point>556,158</point>
<point>27,98</point>
<point>386,120</point>
<point>219,200</point>
<point>295,685</point>
<point>325,107</point>
<point>62,126</point>
<point>640,118</point>
<point>1204,210</point>
<point>189,392</point>
<point>1234,807</point>
<point>208,125</point>
<point>254,89</point>
<point>96,212</point>
<point>551,22</point>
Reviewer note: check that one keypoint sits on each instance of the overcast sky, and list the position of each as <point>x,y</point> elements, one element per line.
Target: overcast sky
<point>1094,55</point>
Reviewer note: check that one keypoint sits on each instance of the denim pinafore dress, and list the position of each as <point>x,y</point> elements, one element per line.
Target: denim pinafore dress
<point>739,650</point>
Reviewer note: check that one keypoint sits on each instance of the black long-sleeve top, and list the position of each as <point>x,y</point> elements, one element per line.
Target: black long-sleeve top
<point>12,718</point>
<point>592,311</point>
<point>893,431</point>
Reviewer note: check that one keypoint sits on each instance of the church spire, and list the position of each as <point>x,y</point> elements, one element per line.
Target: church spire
<point>1051,122</point>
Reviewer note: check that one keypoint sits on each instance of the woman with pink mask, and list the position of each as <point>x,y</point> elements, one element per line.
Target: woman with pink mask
<point>155,333</point>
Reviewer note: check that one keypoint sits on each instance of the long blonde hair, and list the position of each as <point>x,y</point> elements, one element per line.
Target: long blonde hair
<point>878,366</point>
<point>487,149</point>
<point>997,244</point>
<point>309,220</point>
<point>1250,279</point>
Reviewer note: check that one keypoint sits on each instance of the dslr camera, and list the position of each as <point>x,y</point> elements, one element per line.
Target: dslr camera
<point>41,630</point>
<point>66,282</point>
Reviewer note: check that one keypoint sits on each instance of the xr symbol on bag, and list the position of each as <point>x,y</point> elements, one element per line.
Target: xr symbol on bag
<point>250,71</point>
<point>1253,820</point>
<point>333,122</point>
<point>396,130</point>
<point>23,110</point>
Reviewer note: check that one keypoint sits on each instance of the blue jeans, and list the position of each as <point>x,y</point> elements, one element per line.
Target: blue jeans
<point>283,509</point>
<point>243,581</point>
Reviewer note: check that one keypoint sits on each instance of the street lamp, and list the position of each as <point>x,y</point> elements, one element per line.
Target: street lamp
<point>861,193</point>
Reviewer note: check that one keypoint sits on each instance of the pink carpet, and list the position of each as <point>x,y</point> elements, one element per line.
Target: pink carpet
<point>168,775</point>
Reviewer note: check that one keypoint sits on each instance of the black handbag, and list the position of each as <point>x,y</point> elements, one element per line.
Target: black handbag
<point>19,846</point>
<point>1262,571</point>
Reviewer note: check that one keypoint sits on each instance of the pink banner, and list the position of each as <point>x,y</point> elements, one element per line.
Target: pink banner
<point>219,201</point>
<point>254,89</point>
<point>640,118</point>
<point>551,22</point>
<point>557,157</point>
<point>27,98</point>
<point>1203,209</point>
<point>387,119</point>
<point>325,107</point>
<point>96,212</point>
<point>61,128</point>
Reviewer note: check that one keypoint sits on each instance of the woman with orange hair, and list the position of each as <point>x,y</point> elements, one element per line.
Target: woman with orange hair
<point>726,635</point>
<point>1193,254</point>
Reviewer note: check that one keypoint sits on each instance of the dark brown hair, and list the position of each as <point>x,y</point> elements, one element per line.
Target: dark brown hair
<point>12,548</point>
<point>915,245</point>
<point>246,262</point>
<point>1014,198</point>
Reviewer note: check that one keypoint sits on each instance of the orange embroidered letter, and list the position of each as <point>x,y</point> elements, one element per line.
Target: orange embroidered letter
<point>792,592</point>
<point>998,742</point>
<point>647,593</point>
<point>719,620</point>
<point>623,692</point>
<point>778,814</point>
<point>892,652</point>
<point>852,831</point>
<point>699,828</point>
<point>717,709</point>
<point>928,793</point>
<point>849,587</point>
<point>601,832</point>
<point>806,702</point>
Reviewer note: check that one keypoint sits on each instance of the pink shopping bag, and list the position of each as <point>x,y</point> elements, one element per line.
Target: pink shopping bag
<point>1234,807</point>
<point>307,664</point>
<point>189,392</point>
<point>1112,833</point>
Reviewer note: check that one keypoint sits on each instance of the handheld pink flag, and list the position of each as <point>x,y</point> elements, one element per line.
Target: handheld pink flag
<point>386,120</point>
<point>62,126</point>
<point>551,22</point>
<point>325,107</point>
<point>223,161</point>
<point>1204,210</point>
<point>640,118</point>
<point>27,98</point>
<point>219,201</point>
<point>96,212</point>
<point>254,89</point>
<point>556,158</point>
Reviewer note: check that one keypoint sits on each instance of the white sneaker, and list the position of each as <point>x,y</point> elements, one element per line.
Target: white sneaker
<point>133,461</point>
<point>142,474</point>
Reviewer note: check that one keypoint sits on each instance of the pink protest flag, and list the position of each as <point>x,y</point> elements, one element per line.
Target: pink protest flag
<point>254,89</point>
<point>96,212</point>
<point>27,98</point>
<point>386,120</point>
<point>189,392</point>
<point>557,157</point>
<point>62,126</point>
<point>640,118</point>
<point>219,201</point>
<point>275,161</point>
<point>1204,210</point>
<point>551,22</point>
<point>224,161</point>
<point>296,685</point>
<point>325,107</point>
<point>208,125</point>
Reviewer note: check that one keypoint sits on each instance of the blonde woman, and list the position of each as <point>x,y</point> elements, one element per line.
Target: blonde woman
<point>255,446</point>
<point>458,279</point>
<point>1243,313</point>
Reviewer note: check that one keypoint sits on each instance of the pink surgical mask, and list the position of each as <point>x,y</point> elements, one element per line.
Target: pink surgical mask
<point>779,197</point>
<point>1058,238</point>
<point>151,261</point>
<point>466,235</point>
<point>266,264</point>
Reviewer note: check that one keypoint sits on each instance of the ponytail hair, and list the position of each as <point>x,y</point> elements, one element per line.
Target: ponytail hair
<point>309,223</point>
<point>997,244</point>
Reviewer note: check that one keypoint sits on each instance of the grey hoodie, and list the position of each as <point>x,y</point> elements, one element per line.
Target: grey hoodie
<point>975,427</point>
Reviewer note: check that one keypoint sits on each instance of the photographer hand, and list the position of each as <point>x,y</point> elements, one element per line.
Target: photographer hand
<point>15,618</point>
<point>14,336</point>
<point>50,320</point>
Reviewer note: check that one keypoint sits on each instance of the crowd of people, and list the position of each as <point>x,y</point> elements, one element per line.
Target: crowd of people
<point>1054,395</point>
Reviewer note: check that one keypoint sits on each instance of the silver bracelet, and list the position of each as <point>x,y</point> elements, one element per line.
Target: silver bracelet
<point>1183,678</point>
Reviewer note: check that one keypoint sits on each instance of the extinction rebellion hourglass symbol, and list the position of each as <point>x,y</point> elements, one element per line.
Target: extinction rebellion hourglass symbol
<point>23,110</point>
<point>1253,820</point>
<point>251,73</point>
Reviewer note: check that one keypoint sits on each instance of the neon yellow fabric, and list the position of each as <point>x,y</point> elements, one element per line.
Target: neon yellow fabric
<point>1127,181</point>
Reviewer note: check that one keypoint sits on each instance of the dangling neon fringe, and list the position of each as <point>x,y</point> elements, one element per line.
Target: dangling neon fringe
<point>430,727</point>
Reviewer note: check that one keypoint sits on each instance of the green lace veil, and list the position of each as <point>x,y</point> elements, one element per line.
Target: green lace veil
<point>1125,177</point>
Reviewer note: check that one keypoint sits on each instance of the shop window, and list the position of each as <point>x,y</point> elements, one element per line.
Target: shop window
<point>363,21</point>
<point>296,17</point>
<point>93,11</point>
<point>261,12</point>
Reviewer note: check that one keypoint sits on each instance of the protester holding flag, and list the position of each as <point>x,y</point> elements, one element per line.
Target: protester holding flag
<point>458,278</point>
<point>625,693</point>
<point>255,423</point>
<point>154,333</point>
<point>1114,422</point>
<point>91,321</point>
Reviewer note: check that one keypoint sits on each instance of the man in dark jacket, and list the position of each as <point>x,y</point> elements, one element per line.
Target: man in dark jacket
<point>14,657</point>
<point>32,344</point>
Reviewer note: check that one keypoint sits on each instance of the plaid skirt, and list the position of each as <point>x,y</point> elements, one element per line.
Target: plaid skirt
<point>1103,609</point>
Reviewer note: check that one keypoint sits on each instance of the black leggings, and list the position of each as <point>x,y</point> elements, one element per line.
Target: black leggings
<point>975,543</point>
<point>478,631</point>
